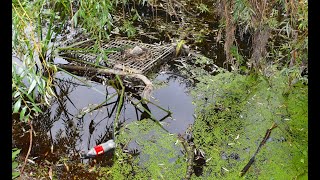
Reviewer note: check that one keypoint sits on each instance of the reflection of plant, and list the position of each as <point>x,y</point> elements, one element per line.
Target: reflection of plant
<point>15,153</point>
<point>203,8</point>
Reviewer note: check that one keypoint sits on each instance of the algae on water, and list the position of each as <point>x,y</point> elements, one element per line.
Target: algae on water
<point>233,114</point>
<point>160,154</point>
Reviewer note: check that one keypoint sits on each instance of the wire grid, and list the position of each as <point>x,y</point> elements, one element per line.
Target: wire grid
<point>156,54</point>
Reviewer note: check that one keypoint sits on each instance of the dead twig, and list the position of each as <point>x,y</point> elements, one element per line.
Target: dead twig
<point>267,135</point>
<point>29,150</point>
<point>189,148</point>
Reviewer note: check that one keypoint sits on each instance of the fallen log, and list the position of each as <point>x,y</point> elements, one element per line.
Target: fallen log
<point>105,71</point>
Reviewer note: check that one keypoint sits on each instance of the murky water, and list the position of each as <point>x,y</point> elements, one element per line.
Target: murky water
<point>173,97</point>
<point>65,130</point>
<point>84,112</point>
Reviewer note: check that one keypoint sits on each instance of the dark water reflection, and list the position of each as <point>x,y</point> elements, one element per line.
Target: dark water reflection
<point>175,98</point>
<point>63,130</point>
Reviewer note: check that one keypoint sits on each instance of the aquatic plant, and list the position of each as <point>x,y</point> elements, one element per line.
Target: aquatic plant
<point>233,111</point>
<point>158,154</point>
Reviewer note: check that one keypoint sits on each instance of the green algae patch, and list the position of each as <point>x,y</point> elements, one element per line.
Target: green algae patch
<point>159,156</point>
<point>233,114</point>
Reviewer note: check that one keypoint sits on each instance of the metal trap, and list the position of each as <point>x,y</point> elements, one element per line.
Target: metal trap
<point>116,55</point>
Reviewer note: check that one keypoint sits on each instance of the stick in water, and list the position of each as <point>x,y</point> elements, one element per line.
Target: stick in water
<point>267,135</point>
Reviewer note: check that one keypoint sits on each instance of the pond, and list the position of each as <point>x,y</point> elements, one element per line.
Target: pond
<point>207,118</point>
<point>65,131</point>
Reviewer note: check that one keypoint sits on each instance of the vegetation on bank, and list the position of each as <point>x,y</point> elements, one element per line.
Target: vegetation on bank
<point>267,82</point>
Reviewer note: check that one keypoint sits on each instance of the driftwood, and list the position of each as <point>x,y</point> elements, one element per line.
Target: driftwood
<point>105,71</point>
<point>264,140</point>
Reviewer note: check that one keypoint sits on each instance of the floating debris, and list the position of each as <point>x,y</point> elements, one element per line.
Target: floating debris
<point>99,149</point>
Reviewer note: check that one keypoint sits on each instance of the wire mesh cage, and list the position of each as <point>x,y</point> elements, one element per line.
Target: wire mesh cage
<point>116,57</point>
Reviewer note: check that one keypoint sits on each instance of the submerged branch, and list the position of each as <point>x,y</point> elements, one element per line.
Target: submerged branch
<point>147,89</point>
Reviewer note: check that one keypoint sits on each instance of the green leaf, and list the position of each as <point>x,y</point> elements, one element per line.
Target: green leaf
<point>16,94</point>
<point>14,165</point>
<point>15,153</point>
<point>23,112</point>
<point>36,108</point>
<point>15,174</point>
<point>25,93</point>
<point>17,106</point>
<point>26,118</point>
<point>33,84</point>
